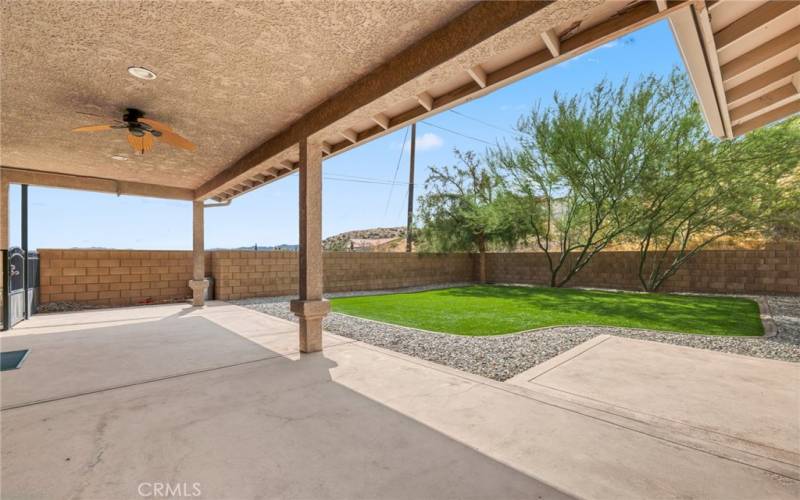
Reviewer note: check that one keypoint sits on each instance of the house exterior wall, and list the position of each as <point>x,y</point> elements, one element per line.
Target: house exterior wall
<point>129,277</point>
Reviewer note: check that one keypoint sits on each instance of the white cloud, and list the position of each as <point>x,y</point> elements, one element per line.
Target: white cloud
<point>428,141</point>
<point>583,57</point>
<point>516,107</point>
<point>425,142</point>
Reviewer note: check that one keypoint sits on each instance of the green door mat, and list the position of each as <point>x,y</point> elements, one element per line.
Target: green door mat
<point>12,360</point>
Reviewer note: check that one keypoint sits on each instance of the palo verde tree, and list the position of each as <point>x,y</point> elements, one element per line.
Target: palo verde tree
<point>784,215</point>
<point>462,210</point>
<point>576,166</point>
<point>704,189</point>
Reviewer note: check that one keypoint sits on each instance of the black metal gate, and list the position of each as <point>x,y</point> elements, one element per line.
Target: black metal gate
<point>21,287</point>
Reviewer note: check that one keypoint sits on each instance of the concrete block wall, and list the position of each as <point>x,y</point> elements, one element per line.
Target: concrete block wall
<point>385,271</point>
<point>129,277</point>
<point>242,274</point>
<point>115,277</point>
<point>772,270</point>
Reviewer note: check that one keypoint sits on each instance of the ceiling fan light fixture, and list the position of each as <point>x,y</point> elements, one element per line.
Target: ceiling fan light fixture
<point>141,73</point>
<point>141,133</point>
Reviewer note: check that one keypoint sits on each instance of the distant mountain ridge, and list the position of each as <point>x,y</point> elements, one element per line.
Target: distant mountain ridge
<point>341,242</point>
<point>265,248</point>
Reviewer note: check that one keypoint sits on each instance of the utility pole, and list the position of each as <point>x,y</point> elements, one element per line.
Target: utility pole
<point>411,187</point>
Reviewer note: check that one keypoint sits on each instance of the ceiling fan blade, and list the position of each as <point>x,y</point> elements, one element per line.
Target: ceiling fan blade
<point>141,144</point>
<point>176,140</point>
<point>93,128</point>
<point>100,116</point>
<point>136,143</point>
<point>161,127</point>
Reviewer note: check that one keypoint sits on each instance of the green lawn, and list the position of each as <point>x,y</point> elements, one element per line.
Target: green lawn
<point>493,310</point>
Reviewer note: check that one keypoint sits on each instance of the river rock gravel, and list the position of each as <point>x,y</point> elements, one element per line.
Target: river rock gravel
<point>501,357</point>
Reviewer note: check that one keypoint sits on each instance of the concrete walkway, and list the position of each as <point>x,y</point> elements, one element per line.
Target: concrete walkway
<point>112,403</point>
<point>741,401</point>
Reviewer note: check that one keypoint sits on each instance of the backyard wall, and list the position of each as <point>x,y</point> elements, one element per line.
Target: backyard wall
<point>115,277</point>
<point>125,277</point>
<point>772,270</point>
<point>241,274</point>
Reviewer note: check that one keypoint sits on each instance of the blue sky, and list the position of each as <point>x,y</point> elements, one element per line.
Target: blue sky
<point>268,216</point>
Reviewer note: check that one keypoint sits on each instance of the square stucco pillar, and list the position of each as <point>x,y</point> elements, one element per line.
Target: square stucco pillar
<point>198,283</point>
<point>3,225</point>
<point>310,308</point>
<point>3,212</point>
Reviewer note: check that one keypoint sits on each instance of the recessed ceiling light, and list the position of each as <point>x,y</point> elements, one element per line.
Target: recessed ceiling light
<point>141,73</point>
<point>119,157</point>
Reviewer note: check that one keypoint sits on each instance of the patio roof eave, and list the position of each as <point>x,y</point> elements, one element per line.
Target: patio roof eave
<point>11,175</point>
<point>476,25</point>
<point>744,60</point>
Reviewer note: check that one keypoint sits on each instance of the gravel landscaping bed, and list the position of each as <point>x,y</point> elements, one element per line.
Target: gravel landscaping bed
<point>500,357</point>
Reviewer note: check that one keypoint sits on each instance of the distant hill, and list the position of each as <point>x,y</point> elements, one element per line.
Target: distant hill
<point>272,248</point>
<point>275,248</point>
<point>382,237</point>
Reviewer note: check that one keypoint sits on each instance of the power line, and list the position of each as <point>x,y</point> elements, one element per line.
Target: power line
<point>366,181</point>
<point>458,133</point>
<point>498,127</point>
<point>362,178</point>
<point>396,168</point>
<point>393,182</point>
<point>358,177</point>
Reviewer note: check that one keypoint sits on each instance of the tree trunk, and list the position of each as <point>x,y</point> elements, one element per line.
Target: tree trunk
<point>481,260</point>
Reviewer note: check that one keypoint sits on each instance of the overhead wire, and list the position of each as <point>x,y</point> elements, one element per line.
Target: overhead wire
<point>483,122</point>
<point>457,133</point>
<point>393,182</point>
<point>384,182</point>
<point>396,169</point>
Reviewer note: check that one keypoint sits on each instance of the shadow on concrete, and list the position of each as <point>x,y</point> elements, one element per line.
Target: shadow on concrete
<point>183,401</point>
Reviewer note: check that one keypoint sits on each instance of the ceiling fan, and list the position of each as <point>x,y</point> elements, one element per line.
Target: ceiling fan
<point>142,131</point>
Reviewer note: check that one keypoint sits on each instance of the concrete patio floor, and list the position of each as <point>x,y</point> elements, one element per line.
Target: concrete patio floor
<point>111,399</point>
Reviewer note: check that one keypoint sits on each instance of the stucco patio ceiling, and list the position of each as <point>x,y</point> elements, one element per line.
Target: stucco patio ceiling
<point>248,81</point>
<point>230,75</point>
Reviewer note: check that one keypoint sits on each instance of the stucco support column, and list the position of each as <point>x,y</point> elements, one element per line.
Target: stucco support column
<point>3,212</point>
<point>310,307</point>
<point>198,283</point>
<point>3,225</point>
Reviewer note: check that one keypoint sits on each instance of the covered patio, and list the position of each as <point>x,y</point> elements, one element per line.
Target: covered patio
<point>215,398</point>
<point>325,90</point>
<point>117,400</point>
